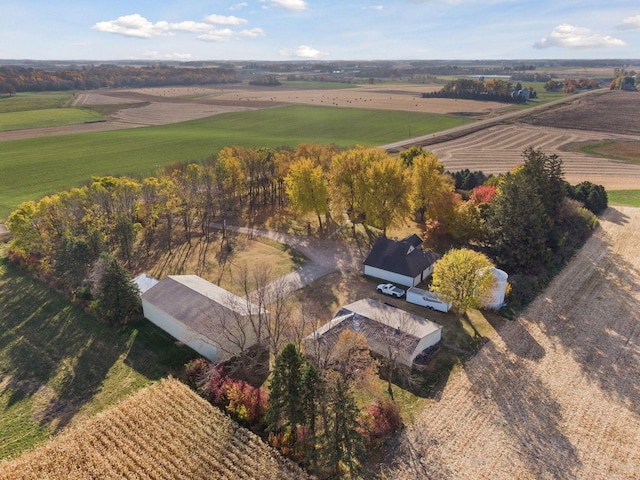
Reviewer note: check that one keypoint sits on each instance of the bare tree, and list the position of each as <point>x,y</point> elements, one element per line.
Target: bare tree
<point>399,341</point>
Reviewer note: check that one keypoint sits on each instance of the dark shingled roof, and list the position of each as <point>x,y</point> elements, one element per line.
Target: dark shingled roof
<point>401,256</point>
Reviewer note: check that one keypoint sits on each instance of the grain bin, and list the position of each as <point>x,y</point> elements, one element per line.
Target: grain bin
<point>496,300</point>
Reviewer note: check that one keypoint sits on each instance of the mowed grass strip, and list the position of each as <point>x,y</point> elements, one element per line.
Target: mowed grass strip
<point>59,365</point>
<point>52,117</point>
<point>35,167</point>
<point>624,197</point>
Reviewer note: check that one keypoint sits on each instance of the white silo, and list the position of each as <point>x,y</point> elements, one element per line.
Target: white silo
<point>496,300</point>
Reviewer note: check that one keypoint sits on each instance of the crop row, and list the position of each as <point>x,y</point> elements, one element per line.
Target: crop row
<point>163,432</point>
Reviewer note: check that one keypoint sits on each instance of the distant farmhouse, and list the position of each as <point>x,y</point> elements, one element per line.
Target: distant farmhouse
<point>214,322</point>
<point>384,327</point>
<point>400,261</point>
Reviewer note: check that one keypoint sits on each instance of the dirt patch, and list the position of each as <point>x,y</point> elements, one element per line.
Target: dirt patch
<point>555,394</point>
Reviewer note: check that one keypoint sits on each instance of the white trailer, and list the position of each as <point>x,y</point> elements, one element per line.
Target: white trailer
<point>427,299</point>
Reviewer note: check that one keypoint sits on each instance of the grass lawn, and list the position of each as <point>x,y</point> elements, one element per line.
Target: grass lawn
<point>225,270</point>
<point>624,197</point>
<point>59,365</point>
<point>32,168</point>
<point>52,117</point>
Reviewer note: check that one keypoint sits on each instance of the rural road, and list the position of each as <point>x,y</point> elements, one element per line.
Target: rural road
<point>325,256</point>
<point>479,125</point>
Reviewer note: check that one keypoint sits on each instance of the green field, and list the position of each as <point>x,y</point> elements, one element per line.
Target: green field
<point>624,197</point>
<point>51,117</point>
<point>35,167</point>
<point>22,102</point>
<point>58,365</point>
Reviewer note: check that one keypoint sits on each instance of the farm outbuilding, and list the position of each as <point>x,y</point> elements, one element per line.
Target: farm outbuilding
<point>214,322</point>
<point>496,300</point>
<point>383,325</point>
<point>144,282</point>
<point>403,262</point>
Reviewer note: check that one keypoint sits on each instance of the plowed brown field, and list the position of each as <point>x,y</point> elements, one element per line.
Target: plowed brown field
<point>613,112</point>
<point>555,394</point>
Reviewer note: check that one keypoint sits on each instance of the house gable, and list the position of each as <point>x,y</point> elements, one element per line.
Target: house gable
<point>402,257</point>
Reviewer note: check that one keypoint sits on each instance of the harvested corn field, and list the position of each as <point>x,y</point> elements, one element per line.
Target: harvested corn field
<point>556,393</point>
<point>163,432</point>
<point>498,149</point>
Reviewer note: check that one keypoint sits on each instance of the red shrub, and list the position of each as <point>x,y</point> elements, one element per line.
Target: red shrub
<point>483,194</point>
<point>379,422</point>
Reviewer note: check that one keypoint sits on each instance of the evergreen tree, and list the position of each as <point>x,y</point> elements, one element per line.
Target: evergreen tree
<point>118,298</point>
<point>312,389</point>
<point>286,410</point>
<point>517,226</point>
<point>345,445</point>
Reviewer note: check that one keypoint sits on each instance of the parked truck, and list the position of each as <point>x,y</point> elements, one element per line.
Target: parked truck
<point>391,290</point>
<point>427,299</point>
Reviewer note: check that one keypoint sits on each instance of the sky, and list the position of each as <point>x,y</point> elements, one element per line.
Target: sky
<point>188,30</point>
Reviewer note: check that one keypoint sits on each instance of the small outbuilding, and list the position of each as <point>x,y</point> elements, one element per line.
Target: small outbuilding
<point>403,262</point>
<point>496,300</point>
<point>384,327</point>
<point>144,282</point>
<point>214,322</point>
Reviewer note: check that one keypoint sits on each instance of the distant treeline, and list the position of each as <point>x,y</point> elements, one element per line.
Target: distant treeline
<point>494,90</point>
<point>26,79</point>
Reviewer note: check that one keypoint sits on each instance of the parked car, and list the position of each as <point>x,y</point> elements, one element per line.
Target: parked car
<point>391,290</point>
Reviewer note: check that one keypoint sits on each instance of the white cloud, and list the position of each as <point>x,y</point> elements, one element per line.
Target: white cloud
<point>305,51</point>
<point>130,26</point>
<point>154,54</point>
<point>569,36</point>
<point>238,6</point>
<point>222,35</point>
<point>137,26</point>
<point>631,23</point>
<point>294,5</point>
<point>373,7</point>
<point>253,33</point>
<point>222,20</point>
<point>187,26</point>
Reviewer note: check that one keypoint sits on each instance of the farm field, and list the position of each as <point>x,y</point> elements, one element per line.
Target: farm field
<point>46,118</point>
<point>624,197</point>
<point>59,365</point>
<point>613,112</point>
<point>605,117</point>
<point>555,393</point>
<point>498,149</point>
<point>165,432</point>
<point>34,167</point>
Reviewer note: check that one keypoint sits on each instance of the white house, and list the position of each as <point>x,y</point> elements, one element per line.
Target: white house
<point>400,261</point>
<point>214,322</point>
<point>384,327</point>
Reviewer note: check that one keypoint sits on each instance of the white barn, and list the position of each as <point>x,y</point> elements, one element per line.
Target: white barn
<point>383,326</point>
<point>212,321</point>
<point>402,262</point>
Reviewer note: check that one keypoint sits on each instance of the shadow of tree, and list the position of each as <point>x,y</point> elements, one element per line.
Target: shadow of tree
<point>58,357</point>
<point>593,310</point>
<point>529,415</point>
